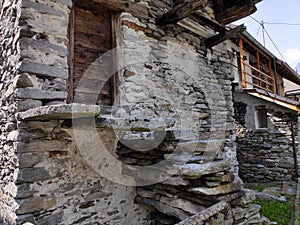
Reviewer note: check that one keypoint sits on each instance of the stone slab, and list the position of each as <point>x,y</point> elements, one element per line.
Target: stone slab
<point>43,70</point>
<point>61,112</point>
<point>194,170</point>
<point>40,94</point>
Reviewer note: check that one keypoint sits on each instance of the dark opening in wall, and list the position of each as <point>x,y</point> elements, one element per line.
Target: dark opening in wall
<point>261,116</point>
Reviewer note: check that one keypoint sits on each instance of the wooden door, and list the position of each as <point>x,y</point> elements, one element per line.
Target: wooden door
<point>91,61</point>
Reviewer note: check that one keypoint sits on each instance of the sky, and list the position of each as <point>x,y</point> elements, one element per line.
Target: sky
<point>285,37</point>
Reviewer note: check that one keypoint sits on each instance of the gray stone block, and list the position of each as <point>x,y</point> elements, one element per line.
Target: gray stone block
<point>26,104</point>
<point>29,175</point>
<point>43,70</point>
<point>43,46</point>
<point>40,94</point>
<point>42,8</point>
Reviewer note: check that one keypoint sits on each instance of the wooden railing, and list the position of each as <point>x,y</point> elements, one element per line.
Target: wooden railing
<point>264,81</point>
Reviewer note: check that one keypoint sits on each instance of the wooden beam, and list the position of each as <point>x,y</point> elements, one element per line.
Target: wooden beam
<point>241,10</point>
<point>258,67</point>
<point>219,38</point>
<point>134,8</point>
<point>205,21</point>
<point>71,31</point>
<point>219,4</point>
<point>242,63</point>
<point>181,11</point>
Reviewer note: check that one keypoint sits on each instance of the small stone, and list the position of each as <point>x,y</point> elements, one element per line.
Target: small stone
<point>36,204</point>
<point>129,73</point>
<point>24,81</point>
<point>26,104</point>
<point>10,126</point>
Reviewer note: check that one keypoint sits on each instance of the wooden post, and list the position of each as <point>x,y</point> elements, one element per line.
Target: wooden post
<point>70,82</point>
<point>115,80</point>
<point>258,67</point>
<point>242,63</point>
<point>273,88</point>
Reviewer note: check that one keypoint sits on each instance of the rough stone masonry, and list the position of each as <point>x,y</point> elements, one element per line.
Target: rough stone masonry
<point>164,153</point>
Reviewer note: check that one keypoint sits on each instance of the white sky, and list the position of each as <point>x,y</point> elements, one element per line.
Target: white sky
<point>286,38</point>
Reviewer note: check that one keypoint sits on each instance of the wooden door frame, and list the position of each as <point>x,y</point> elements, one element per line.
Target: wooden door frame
<point>114,79</point>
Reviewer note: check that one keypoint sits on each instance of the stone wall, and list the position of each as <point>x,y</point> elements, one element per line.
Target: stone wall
<point>44,51</point>
<point>9,63</point>
<point>57,186</point>
<point>266,155</point>
<point>171,134</point>
<point>60,182</point>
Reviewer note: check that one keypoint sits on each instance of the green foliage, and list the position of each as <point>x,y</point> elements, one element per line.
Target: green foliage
<point>280,212</point>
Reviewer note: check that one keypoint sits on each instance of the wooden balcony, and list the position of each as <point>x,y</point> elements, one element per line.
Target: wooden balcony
<point>257,72</point>
<point>259,79</point>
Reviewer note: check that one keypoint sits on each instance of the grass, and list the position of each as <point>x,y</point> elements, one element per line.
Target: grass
<point>298,208</point>
<point>280,212</point>
<point>260,187</point>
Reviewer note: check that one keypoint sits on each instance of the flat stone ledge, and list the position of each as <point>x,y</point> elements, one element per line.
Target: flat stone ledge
<point>60,112</point>
<point>142,124</point>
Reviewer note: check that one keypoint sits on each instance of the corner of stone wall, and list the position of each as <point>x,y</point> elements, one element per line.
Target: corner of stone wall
<point>9,60</point>
<point>43,74</point>
<point>34,71</point>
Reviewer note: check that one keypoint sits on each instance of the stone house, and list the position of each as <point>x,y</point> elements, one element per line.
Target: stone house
<point>266,112</point>
<point>119,112</point>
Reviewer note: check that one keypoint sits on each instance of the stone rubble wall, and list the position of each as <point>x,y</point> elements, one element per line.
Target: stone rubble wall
<point>60,182</point>
<point>9,63</point>
<point>266,155</point>
<point>185,78</point>
<point>57,186</point>
<point>164,73</point>
<point>44,50</point>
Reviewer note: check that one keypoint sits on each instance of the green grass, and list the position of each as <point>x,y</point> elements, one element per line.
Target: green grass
<point>280,212</point>
<point>298,208</point>
<point>260,187</point>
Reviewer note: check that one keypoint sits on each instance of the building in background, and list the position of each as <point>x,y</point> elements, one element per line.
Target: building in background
<point>266,106</point>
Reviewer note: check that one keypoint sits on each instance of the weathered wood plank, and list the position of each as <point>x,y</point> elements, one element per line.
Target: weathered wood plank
<point>87,98</point>
<point>181,11</point>
<point>219,38</point>
<point>91,41</point>
<point>236,12</point>
<point>98,24</point>
<point>92,86</point>
<point>92,57</point>
<point>92,72</point>
<point>136,9</point>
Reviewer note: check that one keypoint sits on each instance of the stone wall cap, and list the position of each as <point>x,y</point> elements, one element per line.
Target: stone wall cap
<point>60,112</point>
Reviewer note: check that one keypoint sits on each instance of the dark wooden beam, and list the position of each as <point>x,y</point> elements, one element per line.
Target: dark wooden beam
<point>219,38</point>
<point>219,5</point>
<point>134,8</point>
<point>236,12</point>
<point>205,21</point>
<point>181,11</point>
